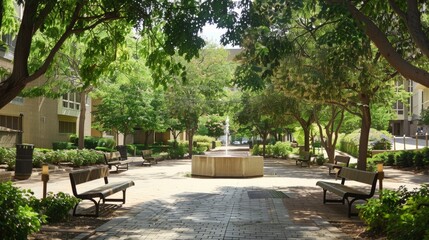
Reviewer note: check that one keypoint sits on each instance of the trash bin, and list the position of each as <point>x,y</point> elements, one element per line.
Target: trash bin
<point>24,161</point>
<point>213,144</point>
<point>123,151</point>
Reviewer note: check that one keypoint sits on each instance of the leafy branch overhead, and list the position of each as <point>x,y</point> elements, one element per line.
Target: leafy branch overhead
<point>57,21</point>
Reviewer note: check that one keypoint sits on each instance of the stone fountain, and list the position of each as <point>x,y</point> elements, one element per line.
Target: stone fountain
<point>227,164</point>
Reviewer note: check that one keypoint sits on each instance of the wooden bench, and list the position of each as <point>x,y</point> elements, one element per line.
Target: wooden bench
<point>115,159</point>
<point>148,159</point>
<point>304,157</point>
<point>102,192</point>
<point>339,162</point>
<point>349,193</point>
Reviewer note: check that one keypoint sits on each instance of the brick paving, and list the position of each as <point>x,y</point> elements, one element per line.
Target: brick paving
<point>166,203</point>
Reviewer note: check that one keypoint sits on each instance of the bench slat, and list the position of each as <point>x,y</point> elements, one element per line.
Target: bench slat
<point>86,175</point>
<point>358,175</point>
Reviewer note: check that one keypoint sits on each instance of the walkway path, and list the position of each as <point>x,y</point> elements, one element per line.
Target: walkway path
<point>166,203</point>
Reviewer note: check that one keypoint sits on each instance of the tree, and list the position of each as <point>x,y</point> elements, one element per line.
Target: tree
<point>322,60</point>
<point>57,21</point>
<point>207,77</point>
<point>125,100</point>
<point>397,28</point>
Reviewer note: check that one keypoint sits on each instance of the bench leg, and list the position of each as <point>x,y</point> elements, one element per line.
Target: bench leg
<point>97,209</point>
<point>350,203</point>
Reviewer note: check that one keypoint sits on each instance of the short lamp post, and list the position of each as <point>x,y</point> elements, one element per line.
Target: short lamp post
<point>45,178</point>
<point>380,176</point>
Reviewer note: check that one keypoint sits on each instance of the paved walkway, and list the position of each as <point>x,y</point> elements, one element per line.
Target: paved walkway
<point>166,203</point>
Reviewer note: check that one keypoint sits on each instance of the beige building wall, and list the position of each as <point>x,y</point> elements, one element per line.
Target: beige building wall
<point>41,118</point>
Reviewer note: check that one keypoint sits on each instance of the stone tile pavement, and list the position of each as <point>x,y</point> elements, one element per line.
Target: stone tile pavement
<point>166,203</point>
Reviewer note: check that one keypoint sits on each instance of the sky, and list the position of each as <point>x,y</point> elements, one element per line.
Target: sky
<point>212,34</point>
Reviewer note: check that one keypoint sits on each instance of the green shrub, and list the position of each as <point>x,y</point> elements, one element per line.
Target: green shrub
<point>73,138</point>
<point>9,158</point>
<point>398,214</point>
<point>204,145</point>
<point>131,149</point>
<point>199,149</point>
<point>256,150</point>
<point>207,139</point>
<point>90,142</point>
<point>38,158</point>
<point>3,152</point>
<point>55,157</point>
<point>178,151</point>
<point>17,218</point>
<point>282,149</point>
<point>320,159</point>
<point>63,145</point>
<point>56,207</point>
<point>350,142</point>
<point>404,159</point>
<point>106,144</point>
<point>382,144</point>
<point>418,159</point>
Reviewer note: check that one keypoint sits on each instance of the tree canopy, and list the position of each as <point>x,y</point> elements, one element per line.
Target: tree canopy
<point>57,21</point>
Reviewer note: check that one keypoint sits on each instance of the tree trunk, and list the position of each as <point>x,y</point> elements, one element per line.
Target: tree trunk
<point>190,141</point>
<point>82,115</point>
<point>264,143</point>
<point>146,139</point>
<point>306,130</point>
<point>364,134</point>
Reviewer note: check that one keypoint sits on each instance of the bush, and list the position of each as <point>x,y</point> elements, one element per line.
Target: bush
<point>63,145</point>
<point>56,207</point>
<point>106,145</point>
<point>398,214</point>
<point>178,151</point>
<point>350,142</point>
<point>17,217</point>
<point>382,144</point>
<point>282,149</point>
<point>404,159</point>
<point>38,158</point>
<point>320,159</point>
<point>256,150</point>
<point>9,158</point>
<point>207,139</point>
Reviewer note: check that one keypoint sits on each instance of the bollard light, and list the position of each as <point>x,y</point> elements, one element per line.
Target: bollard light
<point>380,176</point>
<point>404,142</point>
<point>45,178</point>
<point>417,141</point>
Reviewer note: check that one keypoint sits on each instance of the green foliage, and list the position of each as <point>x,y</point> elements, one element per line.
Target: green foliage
<point>278,150</point>
<point>17,217</point>
<point>38,158</point>
<point>178,151</point>
<point>282,149</point>
<point>320,159</point>
<point>206,139</point>
<point>63,145</point>
<point>256,150</point>
<point>56,207</point>
<point>382,144</point>
<point>398,214</point>
<point>8,157</point>
<point>424,117</point>
<point>350,142</point>
<point>106,144</point>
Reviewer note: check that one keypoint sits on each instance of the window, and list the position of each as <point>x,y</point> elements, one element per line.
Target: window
<point>10,122</point>
<point>71,100</point>
<point>18,100</point>
<point>67,127</point>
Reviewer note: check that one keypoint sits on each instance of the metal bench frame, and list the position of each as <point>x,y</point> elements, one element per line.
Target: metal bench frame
<point>102,192</point>
<point>351,194</point>
<point>115,159</point>
<point>305,157</point>
<point>344,160</point>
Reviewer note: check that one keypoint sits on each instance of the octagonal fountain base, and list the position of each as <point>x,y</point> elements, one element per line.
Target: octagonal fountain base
<point>227,166</point>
